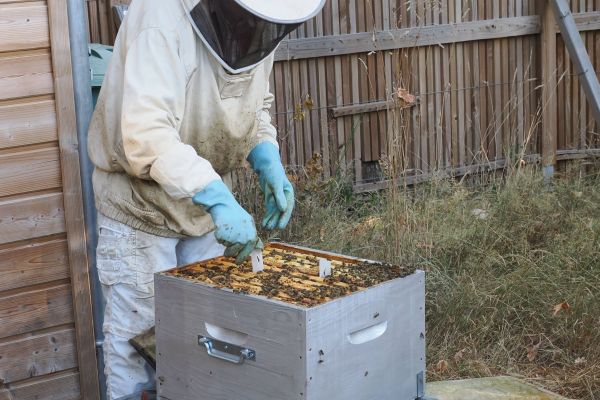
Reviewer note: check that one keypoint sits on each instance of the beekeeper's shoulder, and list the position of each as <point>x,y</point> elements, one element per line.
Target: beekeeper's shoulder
<point>165,15</point>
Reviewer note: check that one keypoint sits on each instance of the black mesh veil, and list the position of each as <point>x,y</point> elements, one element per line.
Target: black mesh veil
<point>237,37</point>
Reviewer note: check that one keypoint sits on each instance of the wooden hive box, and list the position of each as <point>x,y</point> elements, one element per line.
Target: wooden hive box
<point>226,333</point>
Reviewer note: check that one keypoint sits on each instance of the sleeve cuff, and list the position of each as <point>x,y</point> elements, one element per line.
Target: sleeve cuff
<point>182,173</point>
<point>266,131</point>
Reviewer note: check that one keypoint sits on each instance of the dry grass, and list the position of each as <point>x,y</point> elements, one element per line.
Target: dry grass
<point>499,258</point>
<point>513,266</point>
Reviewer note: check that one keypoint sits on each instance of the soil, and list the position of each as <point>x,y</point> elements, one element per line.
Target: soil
<point>293,276</point>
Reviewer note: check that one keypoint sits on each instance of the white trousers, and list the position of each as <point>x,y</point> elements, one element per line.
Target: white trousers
<point>127,260</point>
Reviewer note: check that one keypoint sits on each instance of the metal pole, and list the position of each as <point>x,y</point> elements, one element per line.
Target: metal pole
<point>78,35</point>
<point>579,54</point>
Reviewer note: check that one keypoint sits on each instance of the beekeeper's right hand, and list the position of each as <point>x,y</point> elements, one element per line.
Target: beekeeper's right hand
<point>234,226</point>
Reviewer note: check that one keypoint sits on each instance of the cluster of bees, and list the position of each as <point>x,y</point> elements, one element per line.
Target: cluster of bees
<point>292,276</point>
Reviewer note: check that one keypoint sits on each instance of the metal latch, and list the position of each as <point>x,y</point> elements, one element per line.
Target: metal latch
<point>226,351</point>
<point>421,387</point>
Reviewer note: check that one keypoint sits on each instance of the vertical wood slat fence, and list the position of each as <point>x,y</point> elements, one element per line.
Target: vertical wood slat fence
<point>474,66</point>
<point>101,20</point>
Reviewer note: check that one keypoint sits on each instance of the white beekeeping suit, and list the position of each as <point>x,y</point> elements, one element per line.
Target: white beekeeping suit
<point>185,101</point>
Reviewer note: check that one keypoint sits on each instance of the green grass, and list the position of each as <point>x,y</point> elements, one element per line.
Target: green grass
<point>499,258</point>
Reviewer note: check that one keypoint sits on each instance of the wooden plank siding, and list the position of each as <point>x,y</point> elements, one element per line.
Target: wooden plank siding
<point>27,123</point>
<point>24,26</point>
<point>42,275</point>
<point>38,355</point>
<point>35,308</point>
<point>30,171</point>
<point>475,67</point>
<point>57,386</point>
<point>25,74</point>
<point>33,263</point>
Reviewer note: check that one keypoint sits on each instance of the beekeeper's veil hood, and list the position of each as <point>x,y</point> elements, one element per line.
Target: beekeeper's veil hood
<point>242,33</point>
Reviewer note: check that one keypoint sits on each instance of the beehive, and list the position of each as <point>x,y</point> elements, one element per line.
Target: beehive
<point>224,332</point>
<point>292,275</point>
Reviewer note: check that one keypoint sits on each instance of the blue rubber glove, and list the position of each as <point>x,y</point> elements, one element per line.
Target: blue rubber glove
<point>276,187</point>
<point>235,227</point>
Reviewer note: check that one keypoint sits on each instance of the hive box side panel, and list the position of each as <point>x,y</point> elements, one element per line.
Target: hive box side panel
<point>368,346</point>
<point>275,331</point>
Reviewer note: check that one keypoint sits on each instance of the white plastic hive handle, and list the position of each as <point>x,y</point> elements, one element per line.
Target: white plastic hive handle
<point>368,334</point>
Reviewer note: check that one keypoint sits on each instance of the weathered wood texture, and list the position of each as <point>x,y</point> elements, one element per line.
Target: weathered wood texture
<point>61,386</point>
<point>474,65</point>
<point>38,355</point>
<point>101,20</point>
<point>45,339</point>
<point>576,126</point>
<point>36,262</point>
<point>549,81</point>
<point>73,200</point>
<point>35,308</point>
<point>24,26</point>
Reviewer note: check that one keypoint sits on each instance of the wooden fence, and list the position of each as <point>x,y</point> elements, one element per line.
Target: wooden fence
<point>475,68</point>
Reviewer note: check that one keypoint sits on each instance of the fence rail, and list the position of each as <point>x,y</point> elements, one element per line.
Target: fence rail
<point>476,68</point>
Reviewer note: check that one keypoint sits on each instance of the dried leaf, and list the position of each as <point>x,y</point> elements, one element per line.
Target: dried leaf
<point>405,97</point>
<point>368,225</point>
<point>580,360</point>
<point>532,352</point>
<point>299,114</point>
<point>561,307</point>
<point>314,167</point>
<point>442,366</point>
<point>308,102</point>
<point>460,355</point>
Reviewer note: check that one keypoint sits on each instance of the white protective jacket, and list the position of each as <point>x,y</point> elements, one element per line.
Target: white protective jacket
<point>170,120</point>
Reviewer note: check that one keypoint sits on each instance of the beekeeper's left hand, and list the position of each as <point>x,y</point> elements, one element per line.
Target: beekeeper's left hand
<point>276,187</point>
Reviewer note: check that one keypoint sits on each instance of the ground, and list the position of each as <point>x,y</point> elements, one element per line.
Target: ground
<point>513,267</point>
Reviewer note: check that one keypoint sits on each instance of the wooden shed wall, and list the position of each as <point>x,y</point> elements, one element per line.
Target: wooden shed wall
<point>474,66</point>
<point>46,341</point>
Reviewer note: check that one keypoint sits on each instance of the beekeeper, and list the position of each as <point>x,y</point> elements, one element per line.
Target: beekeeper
<point>185,101</point>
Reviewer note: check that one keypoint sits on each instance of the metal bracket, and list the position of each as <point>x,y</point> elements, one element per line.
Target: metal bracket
<point>421,387</point>
<point>226,351</point>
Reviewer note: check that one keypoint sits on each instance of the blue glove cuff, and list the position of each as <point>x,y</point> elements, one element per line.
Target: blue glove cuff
<point>263,156</point>
<point>216,193</point>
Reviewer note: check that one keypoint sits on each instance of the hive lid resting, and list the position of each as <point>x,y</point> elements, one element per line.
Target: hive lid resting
<point>291,275</point>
